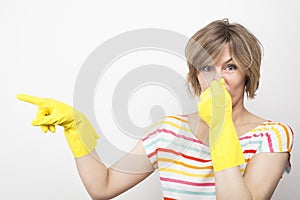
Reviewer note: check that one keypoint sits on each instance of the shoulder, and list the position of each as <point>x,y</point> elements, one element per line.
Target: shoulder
<point>276,136</point>
<point>168,124</point>
<point>169,131</point>
<point>279,129</point>
<point>270,137</point>
<point>176,121</point>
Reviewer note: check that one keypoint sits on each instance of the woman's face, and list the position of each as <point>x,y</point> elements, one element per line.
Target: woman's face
<point>225,68</point>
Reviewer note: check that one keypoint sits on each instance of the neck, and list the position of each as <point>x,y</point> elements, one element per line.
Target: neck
<point>238,111</point>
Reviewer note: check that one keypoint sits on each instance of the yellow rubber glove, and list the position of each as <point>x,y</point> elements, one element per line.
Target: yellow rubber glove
<point>215,108</point>
<point>78,131</point>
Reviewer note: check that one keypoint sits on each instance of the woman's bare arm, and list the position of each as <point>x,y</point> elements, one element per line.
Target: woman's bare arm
<point>105,183</point>
<point>259,181</point>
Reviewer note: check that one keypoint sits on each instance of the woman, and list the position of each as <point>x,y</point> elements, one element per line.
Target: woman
<point>244,157</point>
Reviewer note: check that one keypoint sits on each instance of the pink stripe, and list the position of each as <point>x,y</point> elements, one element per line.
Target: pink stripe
<point>154,132</point>
<point>250,136</point>
<point>177,153</point>
<point>186,182</point>
<point>181,136</point>
<point>270,142</point>
<point>174,134</point>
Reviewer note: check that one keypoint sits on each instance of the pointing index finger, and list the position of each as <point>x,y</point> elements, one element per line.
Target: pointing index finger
<point>30,99</point>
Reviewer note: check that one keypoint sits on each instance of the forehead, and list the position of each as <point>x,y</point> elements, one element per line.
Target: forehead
<point>224,55</point>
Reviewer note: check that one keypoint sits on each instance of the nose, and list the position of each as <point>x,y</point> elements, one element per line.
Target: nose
<point>218,73</point>
<point>208,77</point>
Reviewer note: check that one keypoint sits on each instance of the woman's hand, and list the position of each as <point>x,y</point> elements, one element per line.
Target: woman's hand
<point>215,108</point>
<point>79,133</point>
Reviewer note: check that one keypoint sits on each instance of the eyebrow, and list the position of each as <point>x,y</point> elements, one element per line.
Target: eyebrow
<point>230,59</point>
<point>211,64</point>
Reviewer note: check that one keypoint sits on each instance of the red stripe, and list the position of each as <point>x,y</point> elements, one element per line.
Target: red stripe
<point>152,154</point>
<point>291,130</point>
<point>166,198</point>
<point>186,182</point>
<point>291,145</point>
<point>177,153</point>
<point>250,151</point>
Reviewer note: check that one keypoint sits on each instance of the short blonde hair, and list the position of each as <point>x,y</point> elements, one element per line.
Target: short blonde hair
<point>206,45</point>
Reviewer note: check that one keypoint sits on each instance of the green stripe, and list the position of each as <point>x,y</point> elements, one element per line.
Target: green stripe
<point>253,142</point>
<point>189,192</point>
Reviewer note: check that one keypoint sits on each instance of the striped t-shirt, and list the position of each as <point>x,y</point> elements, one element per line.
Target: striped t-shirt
<point>184,162</point>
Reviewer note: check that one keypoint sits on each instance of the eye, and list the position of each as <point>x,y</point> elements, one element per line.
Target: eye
<point>207,68</point>
<point>230,67</point>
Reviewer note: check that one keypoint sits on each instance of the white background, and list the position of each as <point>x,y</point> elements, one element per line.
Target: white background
<point>44,43</point>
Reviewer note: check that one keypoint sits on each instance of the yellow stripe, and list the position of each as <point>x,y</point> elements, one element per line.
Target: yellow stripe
<point>260,129</point>
<point>180,119</point>
<point>183,164</point>
<point>185,173</point>
<point>177,126</point>
<point>170,123</point>
<point>265,127</point>
<point>287,136</point>
<point>153,125</point>
<point>278,137</point>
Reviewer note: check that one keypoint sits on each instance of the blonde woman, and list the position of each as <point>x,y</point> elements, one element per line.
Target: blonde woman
<point>221,151</point>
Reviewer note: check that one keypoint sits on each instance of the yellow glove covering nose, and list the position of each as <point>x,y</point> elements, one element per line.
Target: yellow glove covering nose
<point>78,131</point>
<point>215,108</point>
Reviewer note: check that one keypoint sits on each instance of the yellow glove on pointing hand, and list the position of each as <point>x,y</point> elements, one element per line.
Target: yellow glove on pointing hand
<point>78,131</point>
<point>215,108</point>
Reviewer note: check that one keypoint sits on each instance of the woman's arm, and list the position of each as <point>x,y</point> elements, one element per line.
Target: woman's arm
<point>105,183</point>
<point>100,182</point>
<point>259,181</point>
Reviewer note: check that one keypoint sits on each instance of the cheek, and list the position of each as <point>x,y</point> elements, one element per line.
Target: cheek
<point>235,85</point>
<point>202,82</point>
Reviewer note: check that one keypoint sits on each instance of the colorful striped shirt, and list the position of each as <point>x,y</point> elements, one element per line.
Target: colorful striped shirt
<point>184,162</point>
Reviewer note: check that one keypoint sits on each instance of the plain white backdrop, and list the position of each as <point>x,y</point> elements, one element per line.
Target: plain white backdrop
<point>43,45</point>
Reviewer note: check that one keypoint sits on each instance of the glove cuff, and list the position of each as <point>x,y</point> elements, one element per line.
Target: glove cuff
<point>78,146</point>
<point>226,152</point>
<point>82,138</point>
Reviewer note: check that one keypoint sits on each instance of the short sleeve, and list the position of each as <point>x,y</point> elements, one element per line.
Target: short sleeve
<point>278,137</point>
<point>150,142</point>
